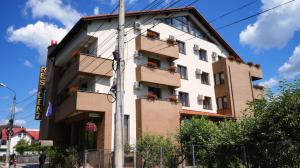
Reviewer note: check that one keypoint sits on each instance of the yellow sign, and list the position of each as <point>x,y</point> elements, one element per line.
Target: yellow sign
<point>41,94</point>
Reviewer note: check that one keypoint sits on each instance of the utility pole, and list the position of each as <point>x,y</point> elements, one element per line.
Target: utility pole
<point>118,141</point>
<point>9,129</point>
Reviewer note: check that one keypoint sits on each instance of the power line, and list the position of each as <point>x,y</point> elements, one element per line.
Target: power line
<point>27,98</point>
<point>254,15</point>
<point>233,11</point>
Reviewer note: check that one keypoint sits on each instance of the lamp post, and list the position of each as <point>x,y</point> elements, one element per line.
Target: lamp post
<point>10,123</point>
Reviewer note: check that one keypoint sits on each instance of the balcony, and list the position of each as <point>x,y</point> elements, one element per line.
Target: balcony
<point>157,46</point>
<point>158,116</point>
<point>157,76</point>
<point>85,64</point>
<point>80,102</point>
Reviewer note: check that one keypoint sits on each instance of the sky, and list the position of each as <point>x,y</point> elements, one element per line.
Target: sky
<point>27,27</point>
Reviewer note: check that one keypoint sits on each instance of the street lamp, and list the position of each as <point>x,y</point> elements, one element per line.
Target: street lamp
<point>11,123</point>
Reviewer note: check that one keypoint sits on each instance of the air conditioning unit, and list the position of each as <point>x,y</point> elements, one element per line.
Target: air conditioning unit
<point>196,47</point>
<point>138,55</point>
<point>198,71</point>
<point>200,97</point>
<point>137,25</point>
<point>214,55</point>
<point>137,86</point>
<point>172,38</point>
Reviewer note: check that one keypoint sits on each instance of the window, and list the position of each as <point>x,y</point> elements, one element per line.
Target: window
<point>203,55</point>
<point>182,70</point>
<point>207,103</point>
<point>222,103</point>
<point>156,91</point>
<point>219,78</point>
<point>181,46</point>
<point>155,61</point>
<point>184,99</point>
<point>205,78</point>
<point>126,129</point>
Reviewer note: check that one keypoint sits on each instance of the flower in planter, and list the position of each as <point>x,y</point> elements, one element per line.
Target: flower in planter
<point>250,64</point>
<point>151,34</point>
<point>90,127</point>
<point>152,64</point>
<point>173,98</point>
<point>76,53</point>
<point>171,41</point>
<point>258,87</point>
<point>231,58</point>
<point>72,89</point>
<point>172,69</point>
<point>151,96</point>
<point>257,66</point>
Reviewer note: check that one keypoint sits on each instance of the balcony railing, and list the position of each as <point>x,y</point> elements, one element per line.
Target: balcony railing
<point>156,46</point>
<point>85,64</point>
<point>81,101</point>
<point>157,76</point>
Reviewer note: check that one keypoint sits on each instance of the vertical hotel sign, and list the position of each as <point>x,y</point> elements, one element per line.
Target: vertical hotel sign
<point>41,94</point>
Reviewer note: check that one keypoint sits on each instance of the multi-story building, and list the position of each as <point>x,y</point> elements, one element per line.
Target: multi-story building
<point>177,66</point>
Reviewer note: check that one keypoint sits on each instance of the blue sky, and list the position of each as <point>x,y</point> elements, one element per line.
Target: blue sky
<point>27,27</point>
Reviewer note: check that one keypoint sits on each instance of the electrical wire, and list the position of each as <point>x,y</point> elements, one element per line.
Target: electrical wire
<point>254,15</point>
<point>233,11</point>
<point>27,98</point>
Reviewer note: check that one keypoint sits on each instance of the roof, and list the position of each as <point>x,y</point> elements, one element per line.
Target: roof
<point>33,133</point>
<point>200,113</point>
<point>84,20</point>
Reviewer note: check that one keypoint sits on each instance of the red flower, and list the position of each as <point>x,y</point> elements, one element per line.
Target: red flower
<point>151,96</point>
<point>152,65</point>
<point>172,69</point>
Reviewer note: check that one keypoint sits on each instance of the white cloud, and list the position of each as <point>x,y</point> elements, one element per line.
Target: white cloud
<point>130,2</point>
<point>27,63</point>
<point>273,29</point>
<point>269,83</point>
<point>37,36</point>
<point>3,122</point>
<point>18,109</point>
<point>33,91</point>
<point>96,10</point>
<point>54,9</point>
<point>20,122</point>
<point>291,68</point>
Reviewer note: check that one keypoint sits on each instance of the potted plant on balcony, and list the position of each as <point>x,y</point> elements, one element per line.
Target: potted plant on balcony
<point>76,53</point>
<point>90,127</point>
<point>259,87</point>
<point>250,64</point>
<point>173,98</point>
<point>238,60</point>
<point>72,89</point>
<point>257,66</point>
<point>172,69</point>
<point>171,40</point>
<point>152,34</point>
<point>231,58</point>
<point>151,96</point>
<point>151,64</point>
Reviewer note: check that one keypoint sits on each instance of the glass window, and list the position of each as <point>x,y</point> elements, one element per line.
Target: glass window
<point>222,103</point>
<point>156,91</point>
<point>207,103</point>
<point>219,78</point>
<point>182,70</point>
<point>184,99</point>
<point>181,46</point>
<point>126,129</point>
<point>203,55</point>
<point>205,78</point>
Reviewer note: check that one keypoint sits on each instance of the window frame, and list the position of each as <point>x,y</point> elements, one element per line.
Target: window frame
<point>179,70</point>
<point>186,102</point>
<point>209,107</point>
<point>207,77</point>
<point>184,47</point>
<point>223,103</point>
<point>201,56</point>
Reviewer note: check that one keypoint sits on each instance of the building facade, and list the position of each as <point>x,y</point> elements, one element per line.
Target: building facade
<point>176,66</point>
<point>29,135</point>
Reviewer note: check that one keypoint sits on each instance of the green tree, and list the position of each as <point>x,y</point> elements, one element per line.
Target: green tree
<point>22,146</point>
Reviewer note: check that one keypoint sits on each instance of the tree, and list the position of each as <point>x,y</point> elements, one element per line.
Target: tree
<point>151,147</point>
<point>22,146</point>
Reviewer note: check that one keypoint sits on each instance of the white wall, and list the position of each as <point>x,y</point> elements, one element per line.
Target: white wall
<point>192,86</point>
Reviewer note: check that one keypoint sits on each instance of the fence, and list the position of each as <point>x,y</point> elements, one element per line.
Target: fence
<point>206,156</point>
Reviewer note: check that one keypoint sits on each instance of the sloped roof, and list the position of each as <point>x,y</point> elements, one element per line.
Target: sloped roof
<point>84,20</point>
<point>34,134</point>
